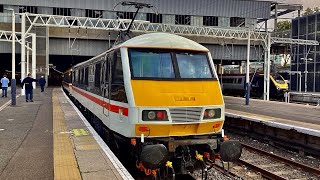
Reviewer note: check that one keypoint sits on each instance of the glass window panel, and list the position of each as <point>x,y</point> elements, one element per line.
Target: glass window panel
<point>183,19</point>
<point>237,22</point>
<point>154,18</point>
<point>317,76</point>
<point>210,21</point>
<point>151,64</point>
<point>193,65</point>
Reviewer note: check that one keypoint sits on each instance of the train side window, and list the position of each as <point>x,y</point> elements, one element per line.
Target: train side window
<point>73,76</point>
<point>239,80</point>
<point>86,76</point>
<point>117,64</point>
<point>118,92</point>
<point>78,74</point>
<point>105,76</point>
<point>227,80</point>
<point>97,75</point>
<point>107,68</point>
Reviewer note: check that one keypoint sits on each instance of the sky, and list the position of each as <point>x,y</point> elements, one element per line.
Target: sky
<point>305,3</point>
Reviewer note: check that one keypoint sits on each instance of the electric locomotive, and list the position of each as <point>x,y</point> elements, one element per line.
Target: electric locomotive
<point>159,97</point>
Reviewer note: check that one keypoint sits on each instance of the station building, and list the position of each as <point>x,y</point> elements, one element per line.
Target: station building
<point>65,46</point>
<point>307,58</point>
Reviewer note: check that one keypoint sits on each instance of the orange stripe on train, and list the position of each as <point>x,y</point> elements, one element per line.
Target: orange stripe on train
<point>110,107</point>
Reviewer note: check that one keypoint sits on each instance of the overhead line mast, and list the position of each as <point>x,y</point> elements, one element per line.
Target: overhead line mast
<point>136,5</point>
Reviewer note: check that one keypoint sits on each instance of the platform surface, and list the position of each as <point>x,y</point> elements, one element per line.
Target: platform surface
<point>295,115</point>
<point>48,139</point>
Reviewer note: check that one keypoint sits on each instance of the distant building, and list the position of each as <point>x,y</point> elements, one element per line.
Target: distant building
<point>64,45</point>
<point>307,27</point>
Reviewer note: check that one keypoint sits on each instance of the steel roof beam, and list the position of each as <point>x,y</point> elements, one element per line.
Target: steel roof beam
<point>147,27</point>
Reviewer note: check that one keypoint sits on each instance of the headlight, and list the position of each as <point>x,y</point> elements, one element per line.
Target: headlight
<point>154,115</point>
<point>151,115</point>
<point>212,113</point>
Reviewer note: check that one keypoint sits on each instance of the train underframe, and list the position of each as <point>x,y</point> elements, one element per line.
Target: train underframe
<point>166,157</point>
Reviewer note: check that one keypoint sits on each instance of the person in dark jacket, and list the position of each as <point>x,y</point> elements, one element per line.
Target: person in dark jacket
<point>27,82</point>
<point>42,83</point>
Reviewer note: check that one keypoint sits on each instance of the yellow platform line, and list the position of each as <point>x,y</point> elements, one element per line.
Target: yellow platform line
<point>65,164</point>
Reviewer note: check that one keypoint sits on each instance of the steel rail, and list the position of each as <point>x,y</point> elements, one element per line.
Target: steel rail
<point>224,171</point>
<point>263,172</point>
<point>284,160</point>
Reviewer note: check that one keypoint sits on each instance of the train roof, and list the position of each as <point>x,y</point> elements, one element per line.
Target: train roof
<point>163,41</point>
<point>155,40</point>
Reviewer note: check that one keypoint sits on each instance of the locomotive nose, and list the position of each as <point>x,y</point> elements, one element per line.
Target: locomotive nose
<point>230,151</point>
<point>154,156</point>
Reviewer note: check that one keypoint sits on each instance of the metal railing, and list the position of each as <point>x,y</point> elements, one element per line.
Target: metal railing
<point>313,96</point>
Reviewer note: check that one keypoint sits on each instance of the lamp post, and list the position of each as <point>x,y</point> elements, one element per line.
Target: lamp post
<point>306,72</point>
<point>13,79</point>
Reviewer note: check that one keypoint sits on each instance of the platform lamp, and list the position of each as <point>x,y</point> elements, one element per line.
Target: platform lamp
<point>306,72</point>
<point>13,79</point>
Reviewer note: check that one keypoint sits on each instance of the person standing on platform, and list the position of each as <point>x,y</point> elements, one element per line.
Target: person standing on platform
<point>4,84</point>
<point>28,87</point>
<point>42,83</point>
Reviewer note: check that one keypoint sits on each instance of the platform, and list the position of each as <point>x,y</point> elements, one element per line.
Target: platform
<point>303,118</point>
<point>4,101</point>
<point>50,139</point>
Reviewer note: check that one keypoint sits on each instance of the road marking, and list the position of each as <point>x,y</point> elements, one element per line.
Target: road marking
<point>5,105</point>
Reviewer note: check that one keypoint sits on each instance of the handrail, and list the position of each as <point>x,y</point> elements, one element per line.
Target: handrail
<point>287,96</point>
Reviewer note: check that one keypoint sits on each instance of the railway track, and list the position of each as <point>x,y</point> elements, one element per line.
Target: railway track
<point>271,166</point>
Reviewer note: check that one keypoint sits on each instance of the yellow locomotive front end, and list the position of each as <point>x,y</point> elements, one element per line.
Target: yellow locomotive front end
<point>178,103</point>
<point>178,108</point>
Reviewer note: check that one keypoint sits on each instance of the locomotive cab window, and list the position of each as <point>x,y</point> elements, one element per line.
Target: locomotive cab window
<point>193,65</point>
<point>151,64</point>
<point>117,92</point>
<point>162,65</point>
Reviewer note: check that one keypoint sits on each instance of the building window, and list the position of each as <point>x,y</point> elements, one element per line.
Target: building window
<point>125,15</point>
<point>237,22</point>
<point>183,19</point>
<point>93,13</point>
<point>62,11</point>
<point>210,21</point>
<point>1,8</point>
<point>29,9</point>
<point>154,18</point>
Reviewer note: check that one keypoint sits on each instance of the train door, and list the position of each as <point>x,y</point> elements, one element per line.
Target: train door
<point>106,68</point>
<point>117,92</point>
<point>257,86</point>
